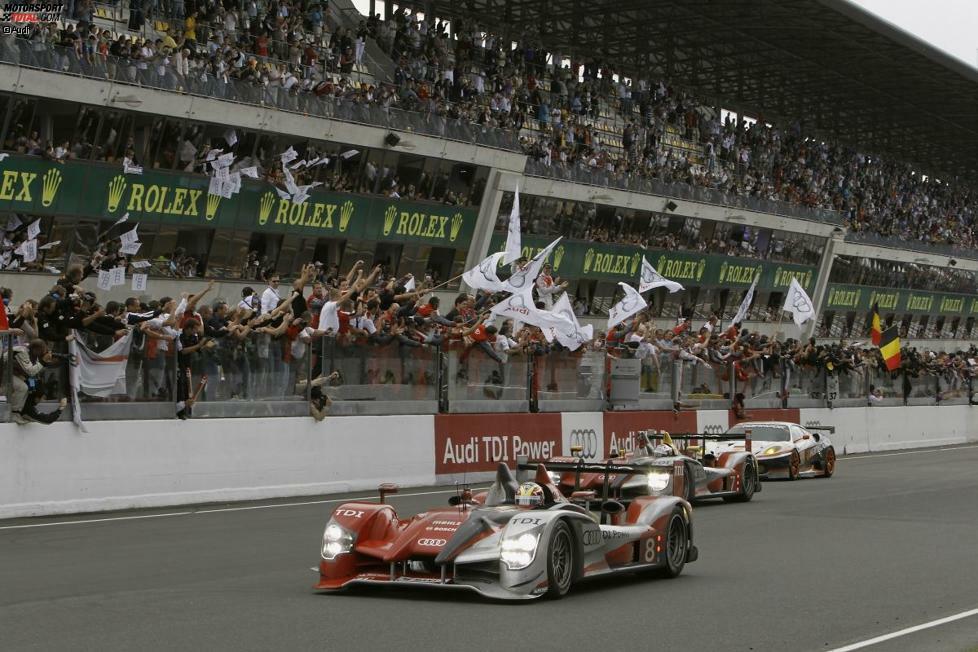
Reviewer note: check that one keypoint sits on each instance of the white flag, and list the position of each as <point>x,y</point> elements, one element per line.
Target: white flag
<point>525,278</point>
<point>745,304</point>
<point>573,337</point>
<point>230,137</point>
<point>34,229</point>
<point>28,250</point>
<point>214,186</point>
<point>288,156</point>
<point>139,282</point>
<point>50,245</point>
<point>118,276</point>
<point>798,303</point>
<point>13,223</point>
<point>121,220</point>
<point>650,279</point>
<point>348,154</point>
<point>513,235</point>
<point>141,264</point>
<point>103,373</point>
<point>104,279</point>
<point>128,167</point>
<point>520,307</point>
<point>483,276</point>
<point>129,237</point>
<point>409,285</point>
<point>632,303</point>
<point>212,154</point>
<point>250,172</point>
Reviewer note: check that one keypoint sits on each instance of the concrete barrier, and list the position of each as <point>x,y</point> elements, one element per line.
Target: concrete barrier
<point>125,464</point>
<point>129,464</point>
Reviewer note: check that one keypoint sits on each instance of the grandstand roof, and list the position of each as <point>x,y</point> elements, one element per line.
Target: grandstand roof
<point>852,76</point>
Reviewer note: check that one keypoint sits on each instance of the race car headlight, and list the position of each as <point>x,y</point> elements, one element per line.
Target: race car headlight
<point>771,450</point>
<point>518,552</point>
<point>658,481</point>
<point>336,541</point>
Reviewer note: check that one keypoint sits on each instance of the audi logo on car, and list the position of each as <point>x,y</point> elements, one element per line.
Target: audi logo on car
<point>585,439</point>
<point>433,543</point>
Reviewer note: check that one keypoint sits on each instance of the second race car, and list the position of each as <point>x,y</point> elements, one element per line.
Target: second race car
<point>731,475</point>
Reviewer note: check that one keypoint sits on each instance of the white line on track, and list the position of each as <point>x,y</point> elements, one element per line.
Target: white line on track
<point>871,456</point>
<point>223,509</point>
<point>908,630</point>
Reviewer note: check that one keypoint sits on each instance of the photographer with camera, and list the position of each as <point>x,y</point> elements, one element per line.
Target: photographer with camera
<point>29,362</point>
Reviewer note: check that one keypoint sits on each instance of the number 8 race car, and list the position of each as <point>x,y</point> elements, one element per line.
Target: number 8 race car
<point>512,542</point>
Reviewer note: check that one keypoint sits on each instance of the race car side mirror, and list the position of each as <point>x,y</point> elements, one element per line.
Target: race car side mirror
<point>385,490</point>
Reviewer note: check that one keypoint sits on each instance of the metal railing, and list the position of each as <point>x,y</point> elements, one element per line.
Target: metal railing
<point>893,242</point>
<point>633,183</point>
<point>151,74</point>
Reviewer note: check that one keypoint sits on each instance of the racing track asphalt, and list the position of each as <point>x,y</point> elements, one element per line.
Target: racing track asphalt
<point>890,542</point>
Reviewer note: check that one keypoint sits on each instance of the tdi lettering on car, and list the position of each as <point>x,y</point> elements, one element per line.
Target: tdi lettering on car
<point>466,443</point>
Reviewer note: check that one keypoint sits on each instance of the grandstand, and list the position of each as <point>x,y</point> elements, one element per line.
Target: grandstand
<point>722,141</point>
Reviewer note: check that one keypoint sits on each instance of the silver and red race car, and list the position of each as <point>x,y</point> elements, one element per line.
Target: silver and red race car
<point>731,475</point>
<point>785,450</point>
<point>491,544</point>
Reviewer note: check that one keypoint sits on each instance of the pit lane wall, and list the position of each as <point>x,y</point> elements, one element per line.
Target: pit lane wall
<point>127,464</point>
<point>131,464</point>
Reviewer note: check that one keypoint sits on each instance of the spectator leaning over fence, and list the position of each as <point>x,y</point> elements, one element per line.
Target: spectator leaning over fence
<point>29,362</point>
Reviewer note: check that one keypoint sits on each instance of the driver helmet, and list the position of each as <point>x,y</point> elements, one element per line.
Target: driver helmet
<point>530,494</point>
<point>663,450</point>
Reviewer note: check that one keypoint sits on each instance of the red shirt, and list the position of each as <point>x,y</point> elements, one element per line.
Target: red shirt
<point>426,310</point>
<point>480,334</point>
<point>344,318</point>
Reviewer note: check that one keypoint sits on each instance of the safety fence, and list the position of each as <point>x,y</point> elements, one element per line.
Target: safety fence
<point>265,374</point>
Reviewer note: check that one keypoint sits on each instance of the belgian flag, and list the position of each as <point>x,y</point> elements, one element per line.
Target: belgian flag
<point>890,348</point>
<point>876,331</point>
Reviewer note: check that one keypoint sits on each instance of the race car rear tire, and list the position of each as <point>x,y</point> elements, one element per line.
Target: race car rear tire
<point>828,462</point>
<point>748,485</point>
<point>676,545</point>
<point>794,465</point>
<point>561,561</point>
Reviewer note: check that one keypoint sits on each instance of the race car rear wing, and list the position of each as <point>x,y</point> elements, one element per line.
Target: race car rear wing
<point>828,429</point>
<point>609,469</point>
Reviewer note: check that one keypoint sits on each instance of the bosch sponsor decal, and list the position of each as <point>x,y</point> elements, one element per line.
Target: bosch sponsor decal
<point>478,442</point>
<point>621,429</point>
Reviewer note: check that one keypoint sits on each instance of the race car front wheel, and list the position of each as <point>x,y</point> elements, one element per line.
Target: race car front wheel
<point>794,465</point>
<point>560,561</point>
<point>748,484</point>
<point>677,545</point>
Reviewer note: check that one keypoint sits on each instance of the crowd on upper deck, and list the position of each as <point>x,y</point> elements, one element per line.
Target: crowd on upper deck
<point>584,115</point>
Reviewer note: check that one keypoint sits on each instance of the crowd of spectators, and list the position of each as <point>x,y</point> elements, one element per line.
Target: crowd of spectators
<point>582,116</point>
<point>285,340</point>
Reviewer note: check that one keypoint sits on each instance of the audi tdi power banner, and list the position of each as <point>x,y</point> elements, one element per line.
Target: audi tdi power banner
<point>468,443</point>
